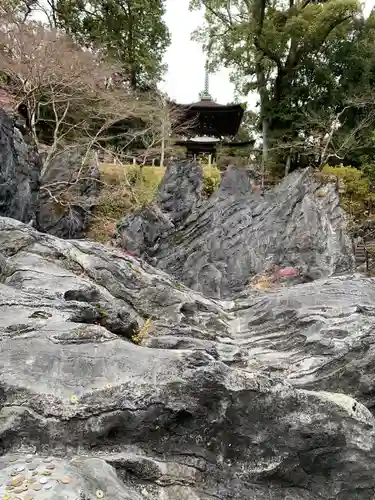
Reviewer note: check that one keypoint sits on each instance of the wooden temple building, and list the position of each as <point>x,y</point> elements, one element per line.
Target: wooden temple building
<point>212,124</point>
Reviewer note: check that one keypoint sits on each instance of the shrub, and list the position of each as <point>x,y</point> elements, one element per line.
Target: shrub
<point>126,189</point>
<point>356,198</point>
<point>142,333</point>
<point>211,180</point>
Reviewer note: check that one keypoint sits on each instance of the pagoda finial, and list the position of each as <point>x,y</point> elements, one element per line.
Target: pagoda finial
<point>205,94</point>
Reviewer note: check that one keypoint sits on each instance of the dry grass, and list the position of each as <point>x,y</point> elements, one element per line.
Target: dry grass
<point>129,187</point>
<point>261,282</point>
<point>115,174</point>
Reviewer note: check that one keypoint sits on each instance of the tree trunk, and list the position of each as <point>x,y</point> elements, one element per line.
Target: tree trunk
<point>162,152</point>
<point>262,89</point>
<point>33,121</point>
<point>265,129</point>
<point>288,164</point>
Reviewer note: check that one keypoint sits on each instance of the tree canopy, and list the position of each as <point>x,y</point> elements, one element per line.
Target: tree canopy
<point>131,33</point>
<point>312,65</point>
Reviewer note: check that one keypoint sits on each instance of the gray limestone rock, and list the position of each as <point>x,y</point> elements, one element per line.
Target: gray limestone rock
<point>317,335</point>
<point>34,476</point>
<point>68,193</point>
<point>141,388</point>
<point>20,167</point>
<point>178,195</point>
<point>219,245</point>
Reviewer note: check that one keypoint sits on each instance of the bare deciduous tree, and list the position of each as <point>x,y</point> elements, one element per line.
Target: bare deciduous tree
<point>75,99</point>
<point>71,92</point>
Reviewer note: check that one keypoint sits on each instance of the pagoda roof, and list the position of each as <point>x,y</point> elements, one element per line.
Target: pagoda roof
<point>207,103</point>
<point>205,144</point>
<point>211,118</point>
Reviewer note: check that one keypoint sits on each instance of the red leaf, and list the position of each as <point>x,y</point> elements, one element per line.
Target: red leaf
<point>131,254</point>
<point>287,272</point>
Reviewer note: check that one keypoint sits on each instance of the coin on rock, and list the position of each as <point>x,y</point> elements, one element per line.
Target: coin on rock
<point>74,399</point>
<point>32,466</point>
<point>28,497</point>
<point>20,489</point>
<point>99,494</point>
<point>20,468</point>
<point>50,466</point>
<point>66,480</point>
<point>17,480</point>
<point>43,480</point>
<point>37,487</point>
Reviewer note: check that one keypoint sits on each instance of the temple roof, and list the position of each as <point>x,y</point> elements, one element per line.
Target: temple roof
<point>209,118</point>
<point>205,103</point>
<point>208,146</point>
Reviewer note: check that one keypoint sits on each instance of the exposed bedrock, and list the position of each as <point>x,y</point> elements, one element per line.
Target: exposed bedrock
<point>217,246</point>
<point>134,386</point>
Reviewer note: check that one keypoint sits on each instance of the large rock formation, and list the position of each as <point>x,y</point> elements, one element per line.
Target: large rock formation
<point>68,193</point>
<point>20,168</point>
<point>217,246</point>
<point>108,364</point>
<point>178,195</point>
<point>60,199</point>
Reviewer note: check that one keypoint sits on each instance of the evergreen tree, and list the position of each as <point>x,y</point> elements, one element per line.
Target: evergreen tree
<point>132,32</point>
<point>311,63</point>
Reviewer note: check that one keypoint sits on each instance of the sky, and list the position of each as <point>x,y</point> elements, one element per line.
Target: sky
<point>185,59</point>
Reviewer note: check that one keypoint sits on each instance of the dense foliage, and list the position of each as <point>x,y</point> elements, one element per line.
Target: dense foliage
<point>357,199</point>
<point>73,91</point>
<point>311,63</point>
<point>132,32</point>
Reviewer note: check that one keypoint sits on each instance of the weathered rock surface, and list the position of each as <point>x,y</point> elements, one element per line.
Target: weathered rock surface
<point>38,476</point>
<point>317,335</point>
<point>217,246</point>
<point>218,401</point>
<point>20,168</point>
<point>68,193</point>
<point>178,195</point>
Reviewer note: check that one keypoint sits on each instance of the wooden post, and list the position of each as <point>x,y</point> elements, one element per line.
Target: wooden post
<point>134,160</point>
<point>209,160</point>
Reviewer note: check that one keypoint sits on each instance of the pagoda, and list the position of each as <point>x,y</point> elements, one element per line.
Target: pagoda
<point>210,123</point>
